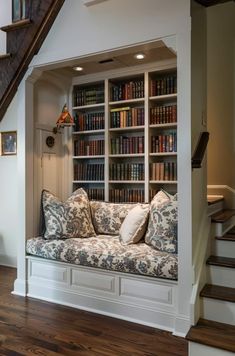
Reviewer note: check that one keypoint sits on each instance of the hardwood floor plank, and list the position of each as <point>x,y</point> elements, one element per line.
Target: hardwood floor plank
<point>32,327</point>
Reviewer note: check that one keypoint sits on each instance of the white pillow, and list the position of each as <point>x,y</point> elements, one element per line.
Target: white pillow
<point>134,225</point>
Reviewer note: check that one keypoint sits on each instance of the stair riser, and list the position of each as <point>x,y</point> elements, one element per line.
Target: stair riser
<point>222,228</point>
<point>218,310</point>
<point>221,276</point>
<point>196,349</point>
<point>223,248</point>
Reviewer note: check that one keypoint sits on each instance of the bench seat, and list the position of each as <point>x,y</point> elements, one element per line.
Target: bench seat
<point>108,253</point>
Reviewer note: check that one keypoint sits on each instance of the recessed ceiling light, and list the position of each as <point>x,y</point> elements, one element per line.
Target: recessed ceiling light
<point>78,69</point>
<point>140,56</point>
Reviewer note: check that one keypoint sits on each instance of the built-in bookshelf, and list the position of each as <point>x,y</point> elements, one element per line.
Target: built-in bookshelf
<point>125,135</point>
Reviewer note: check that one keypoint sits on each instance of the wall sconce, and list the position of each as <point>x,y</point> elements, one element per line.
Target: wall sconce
<point>64,120</point>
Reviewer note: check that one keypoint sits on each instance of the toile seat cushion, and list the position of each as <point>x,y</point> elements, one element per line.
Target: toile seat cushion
<point>108,253</point>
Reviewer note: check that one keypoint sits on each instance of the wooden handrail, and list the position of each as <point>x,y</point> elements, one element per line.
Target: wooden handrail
<point>200,150</point>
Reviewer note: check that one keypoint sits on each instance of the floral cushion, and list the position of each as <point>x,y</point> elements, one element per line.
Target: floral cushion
<point>163,221</point>
<point>69,219</point>
<point>134,226</point>
<point>108,253</point>
<point>107,218</point>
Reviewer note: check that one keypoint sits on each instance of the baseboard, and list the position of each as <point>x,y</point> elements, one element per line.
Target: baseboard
<point>182,325</point>
<point>226,191</point>
<point>19,287</point>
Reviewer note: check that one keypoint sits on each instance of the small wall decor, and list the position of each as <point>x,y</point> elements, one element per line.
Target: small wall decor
<point>8,143</point>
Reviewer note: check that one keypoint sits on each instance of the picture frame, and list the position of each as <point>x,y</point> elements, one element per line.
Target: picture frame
<point>8,143</point>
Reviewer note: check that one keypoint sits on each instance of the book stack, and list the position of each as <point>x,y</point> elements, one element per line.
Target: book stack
<point>163,171</point>
<point>89,171</point>
<point>164,114</point>
<point>164,143</point>
<point>126,171</point>
<point>95,193</point>
<point>88,148</point>
<point>89,121</point>
<point>163,86</point>
<point>88,96</point>
<point>127,145</point>
<point>126,117</point>
<point>126,195</point>
<point>127,90</point>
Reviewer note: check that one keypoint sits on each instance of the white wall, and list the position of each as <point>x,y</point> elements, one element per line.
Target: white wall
<point>221,94</point>
<point>9,223</point>
<point>5,19</point>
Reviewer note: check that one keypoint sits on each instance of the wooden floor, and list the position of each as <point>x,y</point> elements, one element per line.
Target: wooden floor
<point>32,327</point>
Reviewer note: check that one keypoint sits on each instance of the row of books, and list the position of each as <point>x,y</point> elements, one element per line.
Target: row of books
<point>89,121</point>
<point>164,114</point>
<point>88,96</point>
<point>164,143</point>
<point>163,171</point>
<point>89,171</point>
<point>163,86</point>
<point>126,117</point>
<point>126,171</point>
<point>88,148</point>
<point>126,195</point>
<point>127,144</point>
<point>127,90</point>
<point>95,193</point>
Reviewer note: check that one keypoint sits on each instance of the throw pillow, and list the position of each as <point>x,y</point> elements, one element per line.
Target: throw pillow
<point>134,226</point>
<point>163,222</point>
<point>108,217</point>
<point>69,219</point>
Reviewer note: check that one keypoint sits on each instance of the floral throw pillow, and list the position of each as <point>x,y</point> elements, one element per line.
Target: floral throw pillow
<point>108,217</point>
<point>69,219</point>
<point>163,222</point>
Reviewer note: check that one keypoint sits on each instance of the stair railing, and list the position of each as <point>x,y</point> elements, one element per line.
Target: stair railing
<point>200,150</point>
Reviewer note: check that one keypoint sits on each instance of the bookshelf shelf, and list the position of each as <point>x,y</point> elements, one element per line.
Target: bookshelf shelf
<point>127,155</point>
<point>126,181</point>
<point>125,102</point>
<point>126,129</point>
<point>162,154</point>
<point>163,97</point>
<point>162,126</point>
<point>123,112</point>
<point>89,132</point>
<point>89,181</point>
<point>91,106</point>
<point>88,157</point>
<point>163,181</point>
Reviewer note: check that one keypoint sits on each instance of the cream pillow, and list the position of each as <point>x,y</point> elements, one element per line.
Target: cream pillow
<point>134,225</point>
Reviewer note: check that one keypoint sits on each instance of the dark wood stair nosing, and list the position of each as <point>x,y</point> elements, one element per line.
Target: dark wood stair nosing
<point>5,56</point>
<point>16,25</point>
<point>223,216</point>
<point>217,292</point>
<point>213,334</point>
<point>226,262</point>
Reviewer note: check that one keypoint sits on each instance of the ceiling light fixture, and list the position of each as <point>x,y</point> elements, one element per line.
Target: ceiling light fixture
<point>78,69</point>
<point>140,56</point>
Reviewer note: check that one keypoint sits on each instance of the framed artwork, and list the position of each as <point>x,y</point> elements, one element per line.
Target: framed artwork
<point>9,143</point>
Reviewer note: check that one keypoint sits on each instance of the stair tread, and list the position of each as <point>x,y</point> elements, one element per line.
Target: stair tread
<point>229,236</point>
<point>213,199</point>
<point>16,25</point>
<point>223,215</point>
<point>221,261</point>
<point>214,334</point>
<point>6,55</point>
<point>218,292</point>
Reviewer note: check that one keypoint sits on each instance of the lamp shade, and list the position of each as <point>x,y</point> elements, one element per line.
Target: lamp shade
<point>65,119</point>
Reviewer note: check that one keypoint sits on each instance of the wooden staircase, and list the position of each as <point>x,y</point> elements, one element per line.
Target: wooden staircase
<point>216,329</point>
<point>24,39</point>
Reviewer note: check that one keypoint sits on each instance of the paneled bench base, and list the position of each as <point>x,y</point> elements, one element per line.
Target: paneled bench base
<point>139,299</point>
